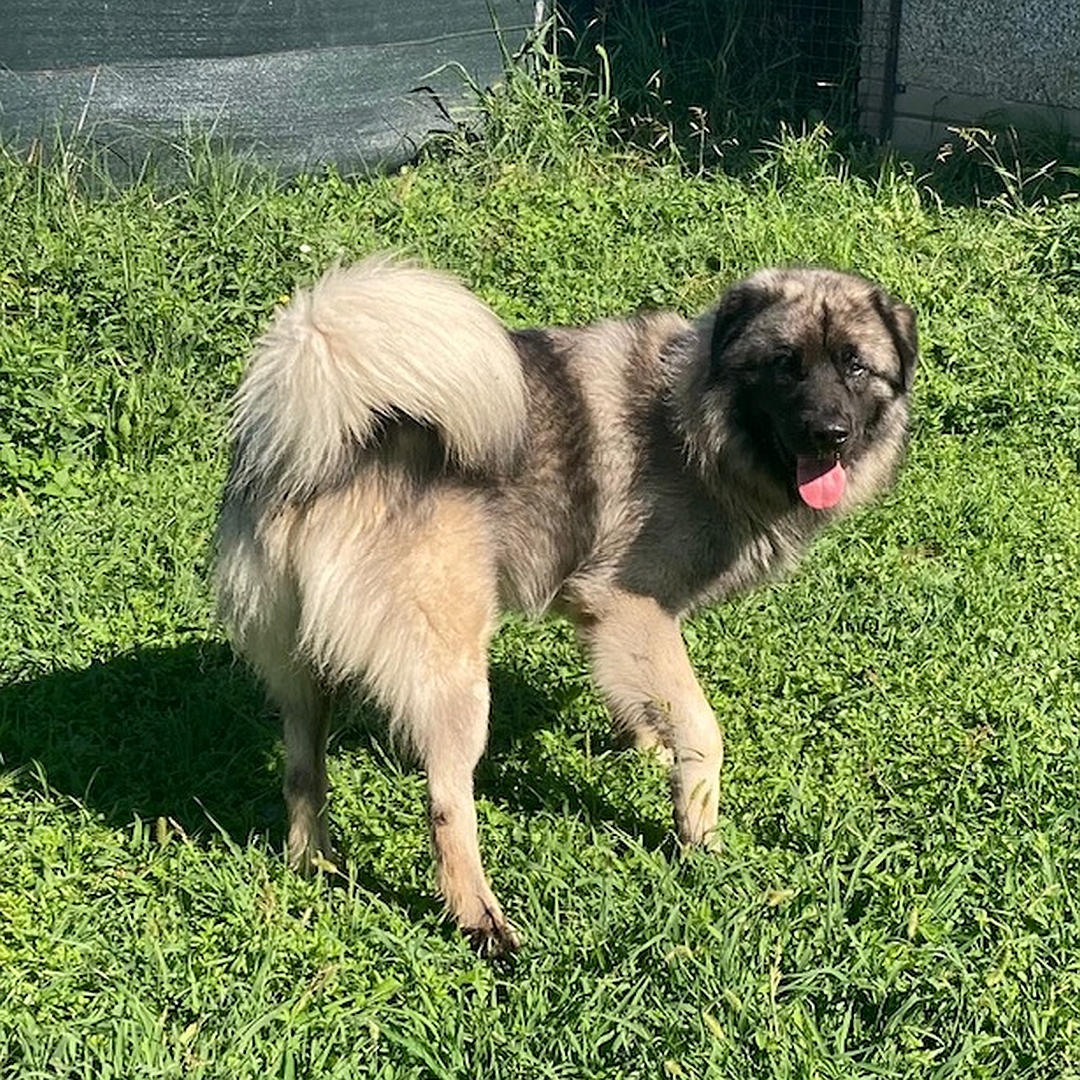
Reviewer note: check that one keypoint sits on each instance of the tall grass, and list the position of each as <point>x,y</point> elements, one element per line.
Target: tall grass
<point>896,895</point>
<point>715,79</point>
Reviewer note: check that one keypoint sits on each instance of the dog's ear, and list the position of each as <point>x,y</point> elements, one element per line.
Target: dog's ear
<point>736,310</point>
<point>899,320</point>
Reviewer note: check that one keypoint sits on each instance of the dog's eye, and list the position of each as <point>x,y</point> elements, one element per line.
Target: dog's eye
<point>853,365</point>
<point>789,361</point>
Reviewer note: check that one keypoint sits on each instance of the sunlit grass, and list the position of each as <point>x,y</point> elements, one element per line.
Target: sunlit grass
<point>897,891</point>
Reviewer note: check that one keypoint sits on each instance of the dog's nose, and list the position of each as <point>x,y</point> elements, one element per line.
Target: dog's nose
<point>832,435</point>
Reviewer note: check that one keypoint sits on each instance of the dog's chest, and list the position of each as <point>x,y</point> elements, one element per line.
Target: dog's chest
<point>746,556</point>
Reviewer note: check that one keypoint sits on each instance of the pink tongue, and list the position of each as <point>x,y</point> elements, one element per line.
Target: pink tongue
<point>821,481</point>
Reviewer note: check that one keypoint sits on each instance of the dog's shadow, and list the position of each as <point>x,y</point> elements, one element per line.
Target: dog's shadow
<point>184,733</point>
<point>176,732</point>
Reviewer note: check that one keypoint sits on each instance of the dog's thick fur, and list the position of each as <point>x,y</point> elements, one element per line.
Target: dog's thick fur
<point>404,467</point>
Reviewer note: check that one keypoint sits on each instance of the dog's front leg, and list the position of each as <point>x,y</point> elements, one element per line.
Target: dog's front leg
<point>640,664</point>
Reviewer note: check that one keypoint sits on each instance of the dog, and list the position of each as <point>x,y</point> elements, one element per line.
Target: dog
<point>404,468</point>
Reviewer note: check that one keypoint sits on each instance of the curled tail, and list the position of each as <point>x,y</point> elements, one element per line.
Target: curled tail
<point>365,345</point>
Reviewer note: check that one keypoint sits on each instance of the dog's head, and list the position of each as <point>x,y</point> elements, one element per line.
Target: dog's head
<point>817,366</point>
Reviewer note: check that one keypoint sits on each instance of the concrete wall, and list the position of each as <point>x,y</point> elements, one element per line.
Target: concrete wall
<point>971,62</point>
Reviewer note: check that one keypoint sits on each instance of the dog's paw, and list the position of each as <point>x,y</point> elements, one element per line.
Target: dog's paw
<point>647,742</point>
<point>310,859</point>
<point>494,938</point>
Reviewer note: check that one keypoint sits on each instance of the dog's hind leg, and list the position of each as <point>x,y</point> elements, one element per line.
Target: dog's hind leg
<point>258,600</point>
<point>408,615</point>
<point>304,705</point>
<point>305,718</point>
<point>439,700</point>
<point>439,706</point>
<point>640,663</point>
<point>454,734</point>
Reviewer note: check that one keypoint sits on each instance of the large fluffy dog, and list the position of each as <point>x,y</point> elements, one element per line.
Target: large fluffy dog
<point>404,466</point>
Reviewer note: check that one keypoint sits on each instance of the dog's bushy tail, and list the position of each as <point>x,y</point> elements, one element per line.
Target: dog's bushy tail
<point>367,345</point>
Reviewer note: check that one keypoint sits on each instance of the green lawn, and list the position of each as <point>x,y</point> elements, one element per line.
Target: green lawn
<point>898,893</point>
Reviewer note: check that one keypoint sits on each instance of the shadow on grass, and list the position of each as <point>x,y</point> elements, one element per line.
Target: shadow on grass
<point>184,733</point>
<point>177,732</point>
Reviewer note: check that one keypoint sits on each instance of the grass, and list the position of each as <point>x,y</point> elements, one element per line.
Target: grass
<point>716,78</point>
<point>897,893</point>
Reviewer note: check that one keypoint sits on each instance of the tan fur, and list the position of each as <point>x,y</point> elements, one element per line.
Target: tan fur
<point>640,665</point>
<point>404,468</point>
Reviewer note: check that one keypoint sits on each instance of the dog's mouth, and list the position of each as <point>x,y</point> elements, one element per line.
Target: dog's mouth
<point>820,476</point>
<point>821,480</point>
